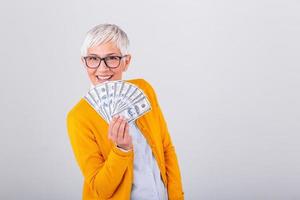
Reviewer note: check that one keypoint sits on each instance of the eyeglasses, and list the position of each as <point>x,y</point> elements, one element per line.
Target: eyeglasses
<point>94,62</point>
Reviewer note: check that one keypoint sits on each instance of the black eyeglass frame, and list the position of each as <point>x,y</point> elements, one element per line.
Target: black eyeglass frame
<point>120,58</point>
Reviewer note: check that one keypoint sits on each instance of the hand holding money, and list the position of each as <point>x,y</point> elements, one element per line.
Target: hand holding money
<point>119,133</point>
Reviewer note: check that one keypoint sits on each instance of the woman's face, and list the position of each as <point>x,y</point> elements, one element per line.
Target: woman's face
<point>103,73</point>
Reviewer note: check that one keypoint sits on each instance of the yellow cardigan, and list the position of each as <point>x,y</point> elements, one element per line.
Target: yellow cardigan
<point>108,171</point>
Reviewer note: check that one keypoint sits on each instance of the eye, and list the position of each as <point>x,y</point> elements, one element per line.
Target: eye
<point>91,58</point>
<point>112,58</point>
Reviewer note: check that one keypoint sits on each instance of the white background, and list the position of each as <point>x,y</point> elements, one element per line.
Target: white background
<point>226,74</point>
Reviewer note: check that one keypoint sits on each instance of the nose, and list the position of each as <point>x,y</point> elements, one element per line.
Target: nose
<point>102,67</point>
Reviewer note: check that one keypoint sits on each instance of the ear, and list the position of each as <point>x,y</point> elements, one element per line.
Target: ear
<point>126,62</point>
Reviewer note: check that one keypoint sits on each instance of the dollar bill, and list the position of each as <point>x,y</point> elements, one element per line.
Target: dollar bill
<point>135,110</point>
<point>93,100</point>
<point>118,98</point>
<point>102,93</point>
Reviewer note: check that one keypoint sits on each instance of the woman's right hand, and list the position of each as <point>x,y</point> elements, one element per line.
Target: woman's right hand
<point>119,133</point>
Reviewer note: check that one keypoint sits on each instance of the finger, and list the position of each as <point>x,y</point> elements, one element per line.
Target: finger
<point>127,136</point>
<point>128,141</point>
<point>114,129</point>
<point>111,124</point>
<point>121,131</point>
<point>122,127</point>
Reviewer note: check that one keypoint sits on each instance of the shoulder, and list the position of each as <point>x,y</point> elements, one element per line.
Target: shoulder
<point>79,110</point>
<point>141,83</point>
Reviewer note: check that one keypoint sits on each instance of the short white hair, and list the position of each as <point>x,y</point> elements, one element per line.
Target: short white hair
<point>104,33</point>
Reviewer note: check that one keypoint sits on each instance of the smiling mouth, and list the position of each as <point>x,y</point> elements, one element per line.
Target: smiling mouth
<point>103,78</point>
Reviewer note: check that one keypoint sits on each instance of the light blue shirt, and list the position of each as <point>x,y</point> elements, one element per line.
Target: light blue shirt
<point>147,183</point>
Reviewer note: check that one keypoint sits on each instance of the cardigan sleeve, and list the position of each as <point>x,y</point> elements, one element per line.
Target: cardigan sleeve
<point>103,176</point>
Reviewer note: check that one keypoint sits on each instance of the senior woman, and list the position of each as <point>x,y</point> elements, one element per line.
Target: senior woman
<point>121,160</point>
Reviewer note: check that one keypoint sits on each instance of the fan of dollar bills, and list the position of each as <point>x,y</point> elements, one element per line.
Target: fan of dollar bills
<point>118,98</point>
